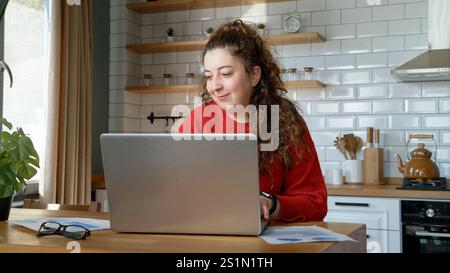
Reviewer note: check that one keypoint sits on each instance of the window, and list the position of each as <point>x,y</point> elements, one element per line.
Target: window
<point>23,104</point>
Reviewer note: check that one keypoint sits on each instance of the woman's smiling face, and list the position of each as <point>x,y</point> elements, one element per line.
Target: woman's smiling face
<point>227,81</point>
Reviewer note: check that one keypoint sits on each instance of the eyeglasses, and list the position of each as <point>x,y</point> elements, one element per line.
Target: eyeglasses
<point>69,231</point>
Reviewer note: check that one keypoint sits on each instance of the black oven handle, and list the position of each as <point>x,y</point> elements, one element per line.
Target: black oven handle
<point>432,234</point>
<point>351,204</point>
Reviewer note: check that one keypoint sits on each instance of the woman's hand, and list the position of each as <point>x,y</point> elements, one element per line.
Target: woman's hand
<point>266,204</point>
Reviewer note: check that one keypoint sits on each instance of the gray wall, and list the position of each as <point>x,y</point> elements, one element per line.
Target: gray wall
<point>100,98</point>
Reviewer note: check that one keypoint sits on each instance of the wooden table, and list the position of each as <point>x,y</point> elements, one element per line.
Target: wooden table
<point>15,238</point>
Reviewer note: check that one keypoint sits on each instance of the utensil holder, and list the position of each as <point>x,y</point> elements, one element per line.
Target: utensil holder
<point>373,166</point>
<point>353,171</point>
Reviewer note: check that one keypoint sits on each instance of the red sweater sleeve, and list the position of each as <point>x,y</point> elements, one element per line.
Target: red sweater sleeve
<point>303,196</point>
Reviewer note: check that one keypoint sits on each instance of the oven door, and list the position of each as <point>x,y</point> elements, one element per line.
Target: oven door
<point>425,239</point>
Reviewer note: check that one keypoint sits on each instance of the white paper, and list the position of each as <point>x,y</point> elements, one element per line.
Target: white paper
<point>89,223</point>
<point>301,234</point>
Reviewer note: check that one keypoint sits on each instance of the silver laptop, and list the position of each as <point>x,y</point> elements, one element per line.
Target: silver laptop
<point>157,183</point>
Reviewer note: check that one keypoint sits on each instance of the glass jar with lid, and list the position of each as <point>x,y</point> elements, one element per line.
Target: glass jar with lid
<point>283,75</point>
<point>308,73</point>
<point>292,74</point>
<point>190,79</point>
<point>167,79</point>
<point>148,79</point>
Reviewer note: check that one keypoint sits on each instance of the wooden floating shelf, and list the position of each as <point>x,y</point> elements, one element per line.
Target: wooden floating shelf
<point>278,39</point>
<point>174,5</point>
<point>196,88</point>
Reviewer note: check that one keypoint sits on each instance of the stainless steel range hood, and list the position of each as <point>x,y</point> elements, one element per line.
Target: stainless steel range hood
<point>434,64</point>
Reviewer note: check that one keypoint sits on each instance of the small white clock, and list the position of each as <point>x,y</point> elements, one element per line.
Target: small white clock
<point>292,24</point>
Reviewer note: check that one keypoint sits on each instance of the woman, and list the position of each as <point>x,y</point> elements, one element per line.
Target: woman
<point>240,70</point>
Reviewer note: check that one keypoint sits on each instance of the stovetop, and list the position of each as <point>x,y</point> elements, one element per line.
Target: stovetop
<point>431,185</point>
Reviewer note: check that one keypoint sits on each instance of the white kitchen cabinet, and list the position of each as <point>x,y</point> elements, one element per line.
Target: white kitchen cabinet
<point>380,215</point>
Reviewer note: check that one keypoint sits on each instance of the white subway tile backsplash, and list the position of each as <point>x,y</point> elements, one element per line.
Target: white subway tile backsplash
<point>310,5</point>
<point>190,28</point>
<point>346,31</point>
<point>325,108</point>
<point>329,17</point>
<point>228,12</point>
<point>318,62</point>
<point>388,43</point>
<point>436,89</point>
<point>370,3</point>
<point>315,123</point>
<point>332,154</point>
<point>327,48</point>
<point>415,10</point>
<point>341,92</point>
<point>404,90</point>
<point>310,94</point>
<point>444,137</point>
<point>320,153</point>
<point>271,22</point>
<point>383,75</point>
<point>282,7</point>
<point>424,25</point>
<point>154,18</point>
<point>340,123</point>
<point>340,4</point>
<point>323,138</point>
<point>390,12</point>
<point>401,151</point>
<point>176,98</point>
<point>392,138</point>
<point>391,170</point>
<point>329,77</point>
<point>421,106</point>
<point>255,10</point>
<point>356,108</point>
<point>373,91</point>
<point>358,15</point>
<point>401,27</point>
<point>444,105</point>
<point>379,122</point>
<point>404,122</point>
<point>356,46</point>
<point>416,42</point>
<point>177,16</point>
<point>158,126</point>
<point>295,50</point>
<point>340,62</point>
<point>371,60</point>
<point>371,29</point>
<point>436,122</point>
<point>305,107</point>
<point>152,98</point>
<point>356,76</point>
<point>202,14</point>
<point>444,169</point>
<point>392,106</point>
<point>165,58</point>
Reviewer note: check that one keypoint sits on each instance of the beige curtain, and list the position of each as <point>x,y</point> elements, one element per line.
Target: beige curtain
<point>67,162</point>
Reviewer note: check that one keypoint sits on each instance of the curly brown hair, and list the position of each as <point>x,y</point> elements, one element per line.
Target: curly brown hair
<point>241,40</point>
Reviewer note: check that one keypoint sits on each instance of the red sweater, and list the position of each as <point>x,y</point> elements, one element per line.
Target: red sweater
<point>300,190</point>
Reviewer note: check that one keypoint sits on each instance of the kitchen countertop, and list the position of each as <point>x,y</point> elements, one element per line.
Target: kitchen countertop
<point>387,190</point>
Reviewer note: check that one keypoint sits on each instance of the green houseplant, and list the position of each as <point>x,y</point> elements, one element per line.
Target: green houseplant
<point>18,163</point>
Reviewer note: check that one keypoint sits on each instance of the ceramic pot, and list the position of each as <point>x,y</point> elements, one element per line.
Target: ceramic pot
<point>5,208</point>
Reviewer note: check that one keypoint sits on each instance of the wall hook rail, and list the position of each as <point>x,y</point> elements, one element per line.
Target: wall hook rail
<point>152,118</point>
